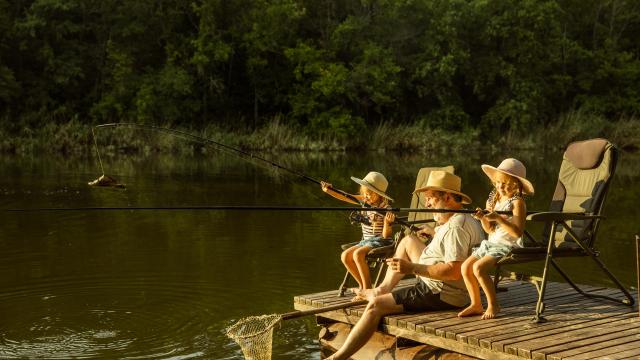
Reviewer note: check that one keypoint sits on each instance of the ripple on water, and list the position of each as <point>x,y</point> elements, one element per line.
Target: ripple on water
<point>143,316</point>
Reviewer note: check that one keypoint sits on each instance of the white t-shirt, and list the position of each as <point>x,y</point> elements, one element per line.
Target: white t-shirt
<point>452,241</point>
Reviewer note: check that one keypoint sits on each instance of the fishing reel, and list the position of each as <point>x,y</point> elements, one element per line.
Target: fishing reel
<point>357,217</point>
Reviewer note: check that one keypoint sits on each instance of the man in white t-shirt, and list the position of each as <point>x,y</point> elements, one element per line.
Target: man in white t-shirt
<point>437,264</point>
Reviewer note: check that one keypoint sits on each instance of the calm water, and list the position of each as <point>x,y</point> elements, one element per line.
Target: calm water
<point>165,284</point>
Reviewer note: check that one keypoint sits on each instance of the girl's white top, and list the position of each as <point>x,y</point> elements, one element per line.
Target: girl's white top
<point>500,234</point>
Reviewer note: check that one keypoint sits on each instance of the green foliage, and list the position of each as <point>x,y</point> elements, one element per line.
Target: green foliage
<point>332,69</point>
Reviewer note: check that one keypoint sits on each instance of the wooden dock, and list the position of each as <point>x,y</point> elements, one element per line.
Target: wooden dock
<point>578,327</point>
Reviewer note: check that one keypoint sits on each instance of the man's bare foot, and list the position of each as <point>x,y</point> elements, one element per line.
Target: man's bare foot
<point>471,310</point>
<point>491,312</point>
<point>368,294</point>
<point>358,298</point>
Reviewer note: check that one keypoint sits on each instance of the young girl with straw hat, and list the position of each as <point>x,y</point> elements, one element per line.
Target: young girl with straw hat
<point>377,230</point>
<point>505,232</point>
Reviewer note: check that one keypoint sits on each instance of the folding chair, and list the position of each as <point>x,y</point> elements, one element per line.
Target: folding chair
<point>572,223</point>
<point>376,257</point>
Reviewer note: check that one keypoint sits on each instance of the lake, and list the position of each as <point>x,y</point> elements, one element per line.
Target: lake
<point>166,284</point>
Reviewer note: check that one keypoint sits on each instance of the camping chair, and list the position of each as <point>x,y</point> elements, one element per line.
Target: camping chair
<point>376,257</point>
<point>572,223</point>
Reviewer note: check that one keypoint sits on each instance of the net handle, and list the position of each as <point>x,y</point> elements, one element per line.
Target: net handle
<point>300,313</point>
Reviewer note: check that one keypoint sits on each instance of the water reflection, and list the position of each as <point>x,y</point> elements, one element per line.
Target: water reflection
<point>163,284</point>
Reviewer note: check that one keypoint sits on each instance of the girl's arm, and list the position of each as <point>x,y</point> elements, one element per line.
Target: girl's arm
<point>515,227</point>
<point>487,226</point>
<point>387,230</point>
<point>328,188</point>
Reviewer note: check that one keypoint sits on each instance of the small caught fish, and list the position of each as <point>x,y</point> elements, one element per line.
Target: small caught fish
<point>106,181</point>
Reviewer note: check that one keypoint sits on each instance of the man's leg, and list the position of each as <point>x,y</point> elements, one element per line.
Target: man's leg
<point>410,248</point>
<point>365,327</point>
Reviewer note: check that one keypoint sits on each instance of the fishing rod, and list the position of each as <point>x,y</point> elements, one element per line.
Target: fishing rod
<point>262,208</point>
<point>208,141</point>
<point>243,154</point>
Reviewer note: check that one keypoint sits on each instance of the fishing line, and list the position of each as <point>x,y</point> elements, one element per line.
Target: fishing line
<point>95,143</point>
<point>243,154</point>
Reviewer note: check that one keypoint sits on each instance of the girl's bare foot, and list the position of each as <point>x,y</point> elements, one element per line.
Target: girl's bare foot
<point>491,312</point>
<point>471,310</point>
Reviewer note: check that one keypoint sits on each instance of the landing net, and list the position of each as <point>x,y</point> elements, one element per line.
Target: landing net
<point>254,334</point>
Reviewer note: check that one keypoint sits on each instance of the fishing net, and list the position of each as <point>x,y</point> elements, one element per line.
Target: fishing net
<point>254,335</point>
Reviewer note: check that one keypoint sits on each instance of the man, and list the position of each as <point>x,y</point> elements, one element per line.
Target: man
<point>437,265</point>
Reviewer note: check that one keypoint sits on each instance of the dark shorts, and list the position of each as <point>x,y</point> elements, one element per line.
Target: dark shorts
<point>419,298</point>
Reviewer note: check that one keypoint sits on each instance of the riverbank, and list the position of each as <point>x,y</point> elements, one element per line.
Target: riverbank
<point>75,138</point>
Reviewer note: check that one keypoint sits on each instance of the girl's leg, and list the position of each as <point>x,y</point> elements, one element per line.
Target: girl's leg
<point>352,268</point>
<point>470,281</point>
<point>359,257</point>
<point>481,269</point>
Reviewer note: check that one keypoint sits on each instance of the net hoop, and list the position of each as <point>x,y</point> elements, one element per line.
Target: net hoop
<point>254,334</point>
<point>252,326</point>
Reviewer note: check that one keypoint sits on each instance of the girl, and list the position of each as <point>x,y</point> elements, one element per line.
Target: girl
<point>505,232</point>
<point>375,234</point>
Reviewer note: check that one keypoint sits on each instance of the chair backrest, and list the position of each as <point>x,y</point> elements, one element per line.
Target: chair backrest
<point>583,182</point>
<point>421,181</point>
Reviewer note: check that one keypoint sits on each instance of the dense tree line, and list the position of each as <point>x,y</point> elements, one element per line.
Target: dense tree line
<point>328,66</point>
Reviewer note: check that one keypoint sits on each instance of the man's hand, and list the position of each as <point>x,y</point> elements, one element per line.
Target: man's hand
<point>400,265</point>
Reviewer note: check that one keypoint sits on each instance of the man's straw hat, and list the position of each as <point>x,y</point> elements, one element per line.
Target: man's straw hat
<point>375,182</point>
<point>511,167</point>
<point>445,181</point>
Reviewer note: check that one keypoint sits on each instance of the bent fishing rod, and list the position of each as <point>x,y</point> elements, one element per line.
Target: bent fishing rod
<point>243,154</point>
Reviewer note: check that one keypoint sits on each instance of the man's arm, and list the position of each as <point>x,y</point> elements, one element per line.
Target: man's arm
<point>441,271</point>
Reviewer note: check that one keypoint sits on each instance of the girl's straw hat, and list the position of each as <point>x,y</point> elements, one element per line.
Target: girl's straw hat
<point>375,182</point>
<point>445,181</point>
<point>511,167</point>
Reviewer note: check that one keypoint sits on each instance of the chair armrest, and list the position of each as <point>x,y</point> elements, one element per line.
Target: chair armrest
<point>561,216</point>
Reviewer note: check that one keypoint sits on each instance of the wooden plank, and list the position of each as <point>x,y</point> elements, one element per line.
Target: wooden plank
<point>509,315</point>
<point>541,346</point>
<point>447,344</point>
<point>578,347</point>
<point>556,314</point>
<point>503,337</point>
<point>440,327</point>
<point>612,352</point>
<point>607,347</point>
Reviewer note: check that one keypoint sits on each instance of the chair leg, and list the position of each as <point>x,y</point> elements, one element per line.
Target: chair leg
<point>381,265</point>
<point>343,286</point>
<point>540,304</point>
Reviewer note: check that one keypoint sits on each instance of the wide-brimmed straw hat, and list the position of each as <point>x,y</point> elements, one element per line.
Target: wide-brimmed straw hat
<point>375,182</point>
<point>512,167</point>
<point>440,180</point>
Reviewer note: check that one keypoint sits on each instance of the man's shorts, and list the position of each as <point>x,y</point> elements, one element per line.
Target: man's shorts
<point>419,298</point>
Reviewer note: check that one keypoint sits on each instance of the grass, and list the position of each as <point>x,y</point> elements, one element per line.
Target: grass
<point>74,138</point>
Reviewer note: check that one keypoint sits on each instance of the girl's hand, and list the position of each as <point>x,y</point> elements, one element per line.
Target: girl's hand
<point>492,216</point>
<point>389,218</point>
<point>480,213</point>
<point>325,186</point>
